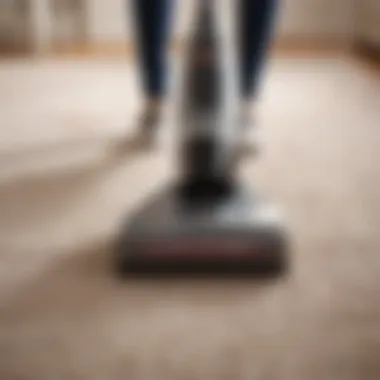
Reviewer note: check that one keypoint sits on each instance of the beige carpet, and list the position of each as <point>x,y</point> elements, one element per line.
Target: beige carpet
<point>63,191</point>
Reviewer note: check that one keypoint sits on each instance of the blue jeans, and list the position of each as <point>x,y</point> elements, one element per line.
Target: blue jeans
<point>153,25</point>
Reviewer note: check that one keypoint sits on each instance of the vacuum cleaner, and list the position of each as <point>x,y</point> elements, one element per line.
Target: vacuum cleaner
<point>205,221</point>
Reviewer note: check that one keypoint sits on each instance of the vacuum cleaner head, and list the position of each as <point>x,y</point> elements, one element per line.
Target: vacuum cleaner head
<point>238,235</point>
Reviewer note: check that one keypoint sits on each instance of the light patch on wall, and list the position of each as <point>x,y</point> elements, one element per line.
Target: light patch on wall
<point>69,26</point>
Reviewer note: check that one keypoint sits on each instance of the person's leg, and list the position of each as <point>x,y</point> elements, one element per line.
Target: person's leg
<point>255,31</point>
<point>153,24</point>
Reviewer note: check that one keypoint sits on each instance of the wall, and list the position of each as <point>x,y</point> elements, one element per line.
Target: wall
<point>14,22</point>
<point>40,25</point>
<point>317,19</point>
<point>368,22</point>
<point>109,21</point>
<point>70,22</point>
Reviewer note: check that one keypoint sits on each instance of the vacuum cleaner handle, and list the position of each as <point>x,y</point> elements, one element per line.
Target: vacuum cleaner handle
<point>207,117</point>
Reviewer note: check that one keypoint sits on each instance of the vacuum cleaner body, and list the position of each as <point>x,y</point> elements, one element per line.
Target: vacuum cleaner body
<point>206,221</point>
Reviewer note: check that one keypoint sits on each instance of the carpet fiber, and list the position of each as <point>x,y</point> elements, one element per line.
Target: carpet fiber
<point>63,191</point>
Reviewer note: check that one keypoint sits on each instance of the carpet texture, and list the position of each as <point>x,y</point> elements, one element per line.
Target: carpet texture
<point>63,191</point>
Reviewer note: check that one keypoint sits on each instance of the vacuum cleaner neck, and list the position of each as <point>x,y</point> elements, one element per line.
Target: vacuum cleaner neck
<point>206,18</point>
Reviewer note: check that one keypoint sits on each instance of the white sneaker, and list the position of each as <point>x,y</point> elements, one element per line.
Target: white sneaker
<point>250,139</point>
<point>149,124</point>
<point>145,135</point>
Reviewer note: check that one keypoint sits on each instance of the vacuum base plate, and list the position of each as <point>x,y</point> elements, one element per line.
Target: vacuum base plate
<point>238,234</point>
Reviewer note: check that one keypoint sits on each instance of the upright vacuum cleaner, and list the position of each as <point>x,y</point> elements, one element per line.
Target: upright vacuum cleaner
<point>205,222</point>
